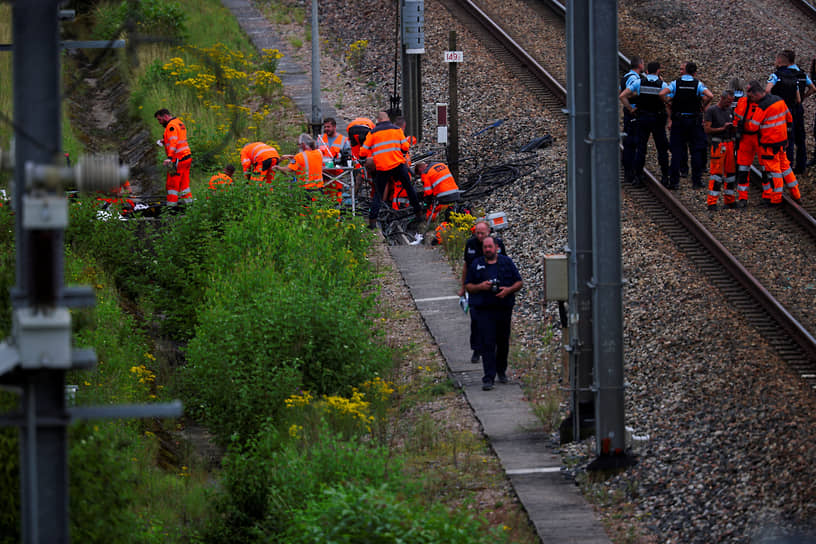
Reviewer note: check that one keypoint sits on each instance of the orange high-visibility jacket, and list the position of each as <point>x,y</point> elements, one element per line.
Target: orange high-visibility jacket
<point>175,140</point>
<point>308,166</point>
<point>255,153</point>
<point>771,117</point>
<point>743,111</point>
<point>220,179</point>
<point>330,149</point>
<point>438,181</point>
<point>387,145</point>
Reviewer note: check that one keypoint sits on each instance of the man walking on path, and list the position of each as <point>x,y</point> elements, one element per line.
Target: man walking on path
<point>473,249</point>
<point>492,282</point>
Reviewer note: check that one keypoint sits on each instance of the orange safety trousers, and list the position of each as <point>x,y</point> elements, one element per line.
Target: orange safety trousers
<point>178,183</point>
<point>748,148</point>
<point>433,211</point>
<point>723,170</point>
<point>775,162</point>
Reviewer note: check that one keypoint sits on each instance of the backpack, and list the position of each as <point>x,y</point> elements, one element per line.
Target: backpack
<point>787,86</point>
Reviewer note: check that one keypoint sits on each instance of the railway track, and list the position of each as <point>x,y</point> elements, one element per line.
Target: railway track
<point>791,340</point>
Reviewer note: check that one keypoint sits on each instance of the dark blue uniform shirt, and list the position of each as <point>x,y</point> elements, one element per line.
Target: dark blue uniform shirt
<point>504,270</point>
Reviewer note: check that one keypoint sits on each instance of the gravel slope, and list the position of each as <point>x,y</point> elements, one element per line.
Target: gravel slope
<point>730,457</point>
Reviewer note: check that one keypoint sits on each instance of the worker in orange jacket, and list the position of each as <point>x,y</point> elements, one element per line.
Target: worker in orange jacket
<point>257,160</point>
<point>334,146</point>
<point>387,145</point>
<point>772,117</point>
<point>179,158</point>
<point>307,165</point>
<point>747,148</point>
<point>718,124</point>
<point>438,186</point>
<point>357,131</point>
<point>222,179</point>
<point>120,195</point>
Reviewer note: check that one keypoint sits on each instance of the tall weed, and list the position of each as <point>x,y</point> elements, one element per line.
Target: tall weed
<point>284,308</point>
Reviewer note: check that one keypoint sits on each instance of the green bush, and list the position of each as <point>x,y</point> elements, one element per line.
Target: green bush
<point>350,514</point>
<point>158,18</point>
<point>284,308</point>
<point>102,483</point>
<point>265,484</point>
<point>113,244</point>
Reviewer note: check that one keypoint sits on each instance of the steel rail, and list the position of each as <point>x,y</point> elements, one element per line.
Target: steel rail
<point>803,338</point>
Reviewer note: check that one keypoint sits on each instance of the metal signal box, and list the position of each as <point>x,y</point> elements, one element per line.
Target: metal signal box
<point>555,277</point>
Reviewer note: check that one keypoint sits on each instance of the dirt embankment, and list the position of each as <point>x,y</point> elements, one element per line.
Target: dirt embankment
<point>98,102</point>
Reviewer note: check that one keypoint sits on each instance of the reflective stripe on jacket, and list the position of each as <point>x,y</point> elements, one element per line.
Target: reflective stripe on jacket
<point>308,166</point>
<point>220,179</point>
<point>772,117</point>
<point>438,181</point>
<point>387,145</point>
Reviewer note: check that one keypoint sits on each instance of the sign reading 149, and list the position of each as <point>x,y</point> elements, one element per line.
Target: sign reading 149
<point>454,56</point>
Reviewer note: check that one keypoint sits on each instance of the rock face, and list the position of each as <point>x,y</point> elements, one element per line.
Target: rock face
<point>99,106</point>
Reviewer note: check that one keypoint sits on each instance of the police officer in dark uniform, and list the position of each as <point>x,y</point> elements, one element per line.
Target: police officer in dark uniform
<point>689,97</point>
<point>630,127</point>
<point>492,282</point>
<point>473,249</point>
<point>650,111</point>
<point>793,86</point>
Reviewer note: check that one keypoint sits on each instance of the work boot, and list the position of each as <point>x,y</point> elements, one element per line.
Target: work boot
<point>475,357</point>
<point>713,208</point>
<point>731,205</point>
<point>742,203</point>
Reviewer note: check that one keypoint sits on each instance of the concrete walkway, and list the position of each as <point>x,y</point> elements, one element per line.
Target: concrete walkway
<point>297,80</point>
<point>556,508</point>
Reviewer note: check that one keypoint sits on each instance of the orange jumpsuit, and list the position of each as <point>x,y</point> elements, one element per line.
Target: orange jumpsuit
<point>748,147</point>
<point>257,160</point>
<point>177,150</point>
<point>771,117</point>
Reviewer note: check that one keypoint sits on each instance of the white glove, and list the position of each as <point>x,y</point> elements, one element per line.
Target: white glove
<point>159,143</point>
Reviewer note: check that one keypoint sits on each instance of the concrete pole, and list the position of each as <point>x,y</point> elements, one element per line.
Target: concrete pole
<point>453,111</point>
<point>606,229</point>
<point>38,138</point>
<point>579,215</point>
<point>317,114</point>
<point>412,94</point>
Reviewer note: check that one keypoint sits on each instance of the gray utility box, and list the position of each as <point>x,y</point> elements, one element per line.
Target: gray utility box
<point>555,277</point>
<point>43,339</point>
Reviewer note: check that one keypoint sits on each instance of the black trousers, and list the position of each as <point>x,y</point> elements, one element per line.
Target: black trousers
<point>687,135</point>
<point>654,125</point>
<point>493,326</point>
<point>796,151</point>
<point>381,179</point>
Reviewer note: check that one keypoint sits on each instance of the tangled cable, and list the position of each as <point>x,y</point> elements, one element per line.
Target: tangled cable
<point>480,184</point>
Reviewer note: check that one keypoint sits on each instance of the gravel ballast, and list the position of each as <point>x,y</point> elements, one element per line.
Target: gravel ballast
<point>730,456</point>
